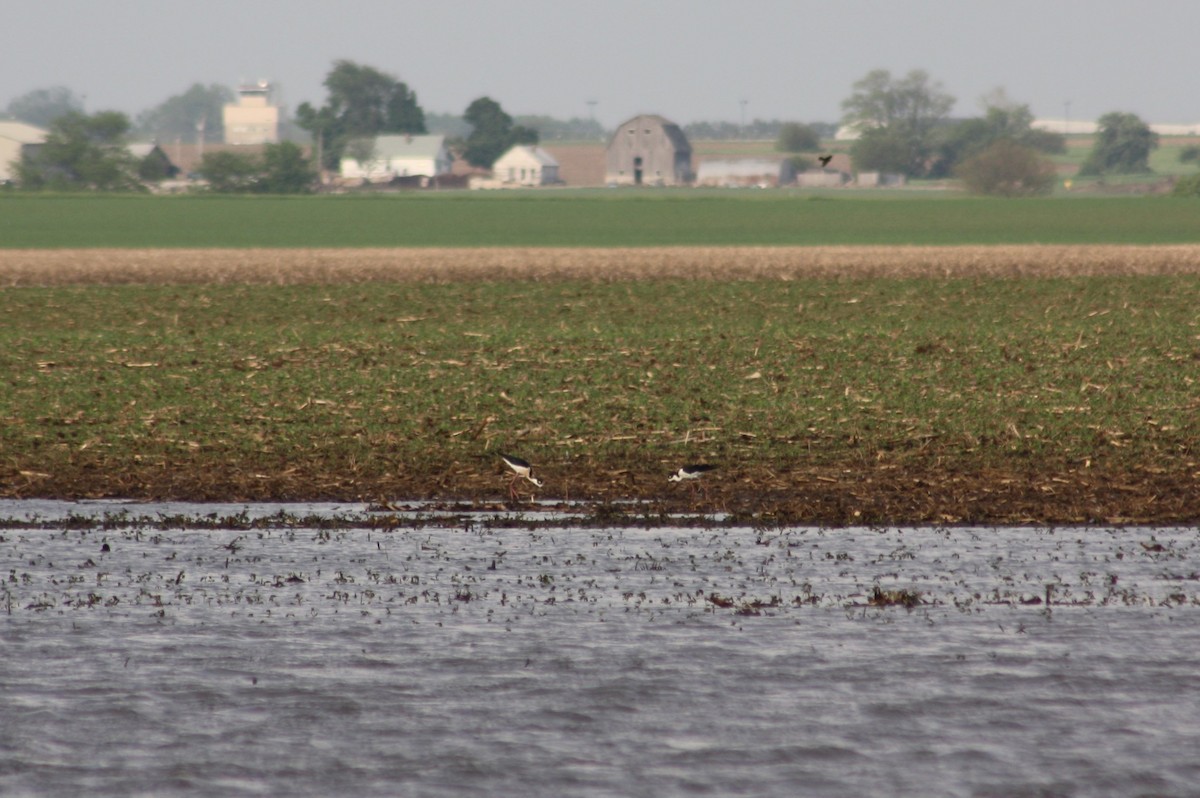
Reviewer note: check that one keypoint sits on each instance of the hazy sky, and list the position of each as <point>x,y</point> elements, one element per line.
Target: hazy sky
<point>689,60</point>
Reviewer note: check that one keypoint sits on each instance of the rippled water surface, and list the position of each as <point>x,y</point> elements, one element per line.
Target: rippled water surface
<point>502,658</point>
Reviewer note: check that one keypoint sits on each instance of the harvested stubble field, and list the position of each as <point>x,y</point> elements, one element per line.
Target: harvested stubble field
<point>834,385</point>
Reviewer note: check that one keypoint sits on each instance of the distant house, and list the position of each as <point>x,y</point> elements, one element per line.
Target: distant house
<point>385,159</point>
<point>746,172</point>
<point>648,150</point>
<point>252,119</point>
<point>16,139</point>
<point>526,166</point>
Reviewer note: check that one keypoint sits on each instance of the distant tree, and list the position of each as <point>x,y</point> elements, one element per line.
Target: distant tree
<point>1007,169</point>
<point>155,167</point>
<point>795,137</point>
<point>282,169</point>
<point>800,163</point>
<point>758,129</point>
<point>323,126</point>
<point>1187,186</point>
<point>369,102</point>
<point>82,152</point>
<point>573,129</point>
<point>362,151</point>
<point>901,116</point>
<point>229,172</point>
<point>882,150</point>
<point>180,117</point>
<point>1003,119</point>
<point>1122,146</point>
<point>362,102</point>
<point>40,107</point>
<point>492,133</point>
<point>449,125</point>
<point>285,170</point>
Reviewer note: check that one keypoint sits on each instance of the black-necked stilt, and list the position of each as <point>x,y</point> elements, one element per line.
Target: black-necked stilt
<point>520,468</point>
<point>691,472</point>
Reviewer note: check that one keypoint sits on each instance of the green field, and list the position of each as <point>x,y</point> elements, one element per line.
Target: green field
<point>598,218</point>
<point>399,390</point>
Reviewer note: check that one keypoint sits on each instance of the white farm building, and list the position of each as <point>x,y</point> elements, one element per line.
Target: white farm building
<point>387,158</point>
<point>16,138</point>
<point>525,165</point>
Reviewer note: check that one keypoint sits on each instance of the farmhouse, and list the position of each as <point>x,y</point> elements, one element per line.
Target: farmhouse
<point>16,138</point>
<point>526,166</point>
<point>745,172</point>
<point>648,150</point>
<point>384,159</point>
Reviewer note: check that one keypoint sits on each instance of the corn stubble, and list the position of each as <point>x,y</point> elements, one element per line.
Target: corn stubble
<point>43,267</point>
<point>834,385</point>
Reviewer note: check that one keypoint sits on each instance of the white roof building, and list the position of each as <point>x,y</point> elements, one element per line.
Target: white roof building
<point>526,165</point>
<point>386,158</point>
<point>1082,127</point>
<point>14,137</point>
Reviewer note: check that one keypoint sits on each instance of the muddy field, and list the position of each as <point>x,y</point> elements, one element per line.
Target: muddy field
<point>950,486</point>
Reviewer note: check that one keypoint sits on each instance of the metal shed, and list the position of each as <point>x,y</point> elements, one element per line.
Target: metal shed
<point>746,172</point>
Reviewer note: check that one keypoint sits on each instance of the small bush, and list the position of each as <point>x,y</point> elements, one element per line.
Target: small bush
<point>1187,186</point>
<point>1007,169</point>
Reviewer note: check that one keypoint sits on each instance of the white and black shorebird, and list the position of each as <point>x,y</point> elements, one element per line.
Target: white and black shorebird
<point>521,469</point>
<point>689,472</point>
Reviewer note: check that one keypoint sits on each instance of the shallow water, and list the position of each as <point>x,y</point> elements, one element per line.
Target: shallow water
<point>495,659</point>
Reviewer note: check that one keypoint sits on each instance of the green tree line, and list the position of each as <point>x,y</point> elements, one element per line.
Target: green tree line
<point>903,125</point>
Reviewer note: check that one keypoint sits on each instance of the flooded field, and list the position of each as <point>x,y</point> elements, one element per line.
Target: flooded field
<point>331,649</point>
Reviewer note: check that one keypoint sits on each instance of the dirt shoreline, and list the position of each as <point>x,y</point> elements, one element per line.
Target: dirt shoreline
<point>829,496</point>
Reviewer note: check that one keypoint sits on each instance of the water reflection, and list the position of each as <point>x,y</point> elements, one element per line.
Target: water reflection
<point>495,658</point>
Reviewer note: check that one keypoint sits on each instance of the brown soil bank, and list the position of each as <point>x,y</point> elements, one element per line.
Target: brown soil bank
<point>1049,493</point>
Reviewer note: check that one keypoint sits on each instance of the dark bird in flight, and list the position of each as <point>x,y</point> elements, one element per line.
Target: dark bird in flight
<point>825,159</point>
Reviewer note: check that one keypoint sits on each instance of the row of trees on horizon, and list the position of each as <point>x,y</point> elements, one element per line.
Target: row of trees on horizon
<point>904,127</point>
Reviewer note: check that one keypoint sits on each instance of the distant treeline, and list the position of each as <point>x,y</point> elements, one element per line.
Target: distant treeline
<point>579,129</point>
<point>761,129</point>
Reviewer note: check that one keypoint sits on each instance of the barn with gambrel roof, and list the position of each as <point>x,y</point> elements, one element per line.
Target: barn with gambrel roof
<point>648,150</point>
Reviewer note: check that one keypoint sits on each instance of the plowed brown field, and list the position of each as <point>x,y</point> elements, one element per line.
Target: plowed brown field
<point>300,266</point>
